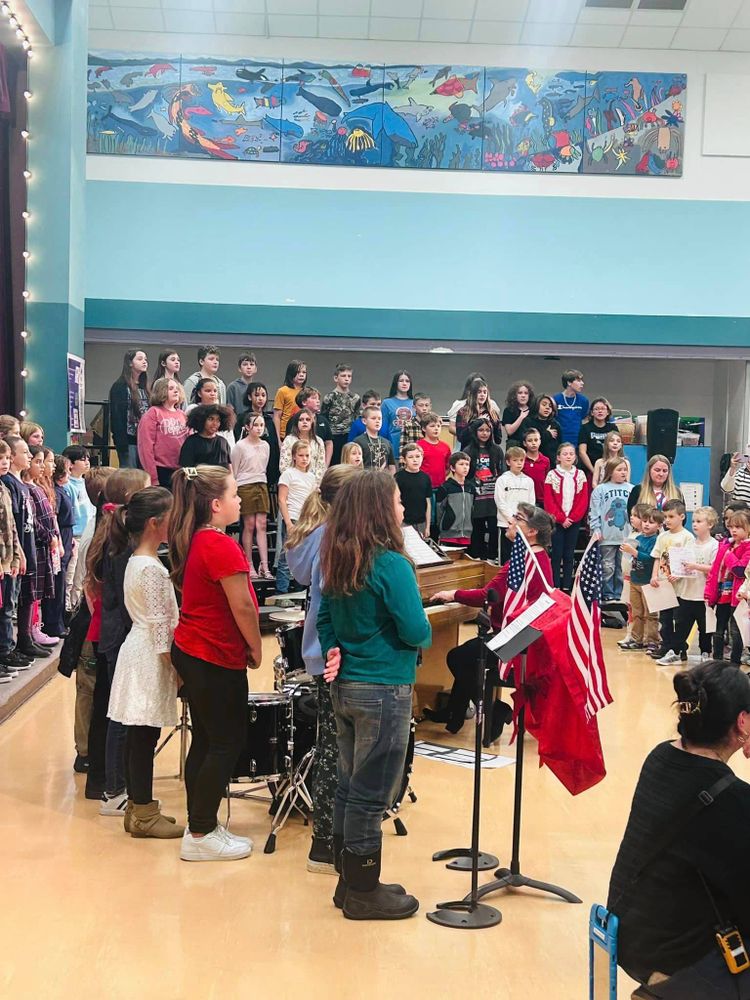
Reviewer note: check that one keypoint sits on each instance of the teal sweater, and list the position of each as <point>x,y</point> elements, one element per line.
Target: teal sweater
<point>378,628</point>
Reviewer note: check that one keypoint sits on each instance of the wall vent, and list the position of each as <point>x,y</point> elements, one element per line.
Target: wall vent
<point>610,4</point>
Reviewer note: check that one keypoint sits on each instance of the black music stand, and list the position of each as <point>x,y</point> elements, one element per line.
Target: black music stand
<point>511,877</point>
<point>469,913</point>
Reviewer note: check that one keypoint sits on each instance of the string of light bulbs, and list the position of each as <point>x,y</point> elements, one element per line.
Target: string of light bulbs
<point>22,36</point>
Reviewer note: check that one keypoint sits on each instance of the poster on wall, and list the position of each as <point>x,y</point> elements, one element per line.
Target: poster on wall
<point>76,394</point>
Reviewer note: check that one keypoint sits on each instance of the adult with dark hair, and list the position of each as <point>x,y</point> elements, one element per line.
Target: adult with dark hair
<point>537,527</point>
<point>207,445</point>
<point>208,367</point>
<point>236,390</point>
<point>128,401</point>
<point>518,404</point>
<point>593,433</point>
<point>572,405</point>
<point>285,400</point>
<point>168,366</point>
<point>371,624</point>
<point>543,417</point>
<point>256,401</point>
<point>162,431</point>
<point>398,408</point>
<point>682,865</point>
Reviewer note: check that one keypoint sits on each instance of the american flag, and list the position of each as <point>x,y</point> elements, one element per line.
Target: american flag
<point>585,630</point>
<point>521,567</point>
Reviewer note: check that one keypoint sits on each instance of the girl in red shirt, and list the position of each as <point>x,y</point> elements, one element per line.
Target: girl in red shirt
<point>566,498</point>
<point>217,638</point>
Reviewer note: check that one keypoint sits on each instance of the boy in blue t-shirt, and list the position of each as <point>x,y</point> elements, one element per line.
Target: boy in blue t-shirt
<point>644,632</point>
<point>572,406</point>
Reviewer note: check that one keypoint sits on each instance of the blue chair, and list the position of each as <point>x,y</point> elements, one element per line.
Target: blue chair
<point>603,928</point>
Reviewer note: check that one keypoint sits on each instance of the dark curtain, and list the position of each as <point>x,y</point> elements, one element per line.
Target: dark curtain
<point>13,118</point>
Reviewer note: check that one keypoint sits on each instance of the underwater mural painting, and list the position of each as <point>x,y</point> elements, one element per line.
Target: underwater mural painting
<point>451,117</point>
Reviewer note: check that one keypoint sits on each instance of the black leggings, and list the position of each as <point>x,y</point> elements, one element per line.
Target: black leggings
<point>480,548</point>
<point>462,663</point>
<point>217,698</point>
<point>725,620</point>
<point>140,744</point>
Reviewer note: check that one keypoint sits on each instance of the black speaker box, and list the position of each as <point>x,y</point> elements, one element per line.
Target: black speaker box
<point>661,433</point>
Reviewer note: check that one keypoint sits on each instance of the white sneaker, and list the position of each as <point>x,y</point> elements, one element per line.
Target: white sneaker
<point>234,838</point>
<point>218,845</point>
<point>705,657</point>
<point>114,806</point>
<point>668,659</point>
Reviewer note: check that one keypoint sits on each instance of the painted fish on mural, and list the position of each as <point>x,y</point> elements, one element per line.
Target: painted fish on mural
<point>252,75</point>
<point>455,86</point>
<point>223,100</point>
<point>284,127</point>
<point>205,70</point>
<point>158,69</point>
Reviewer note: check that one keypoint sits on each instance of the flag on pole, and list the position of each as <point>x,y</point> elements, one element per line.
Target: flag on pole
<point>585,630</point>
<point>521,569</point>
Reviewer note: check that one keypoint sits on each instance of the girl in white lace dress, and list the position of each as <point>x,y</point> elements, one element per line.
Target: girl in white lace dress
<point>144,689</point>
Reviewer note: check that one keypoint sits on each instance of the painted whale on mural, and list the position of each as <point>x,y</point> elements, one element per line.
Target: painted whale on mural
<point>324,104</point>
<point>380,117</point>
<point>284,127</point>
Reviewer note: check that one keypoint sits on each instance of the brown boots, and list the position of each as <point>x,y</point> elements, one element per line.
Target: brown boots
<point>147,821</point>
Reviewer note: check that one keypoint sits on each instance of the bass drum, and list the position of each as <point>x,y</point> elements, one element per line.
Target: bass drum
<point>266,750</point>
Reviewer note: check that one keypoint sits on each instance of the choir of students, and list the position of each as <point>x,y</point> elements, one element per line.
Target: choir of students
<point>78,551</point>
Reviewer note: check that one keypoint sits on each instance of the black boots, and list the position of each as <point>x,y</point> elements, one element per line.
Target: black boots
<point>500,714</point>
<point>366,898</point>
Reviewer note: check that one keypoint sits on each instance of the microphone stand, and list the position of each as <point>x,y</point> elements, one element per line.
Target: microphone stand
<point>470,913</point>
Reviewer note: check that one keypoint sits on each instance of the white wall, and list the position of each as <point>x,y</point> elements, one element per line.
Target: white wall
<point>705,178</point>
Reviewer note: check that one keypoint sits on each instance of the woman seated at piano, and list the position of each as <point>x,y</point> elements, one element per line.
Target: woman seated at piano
<point>537,527</point>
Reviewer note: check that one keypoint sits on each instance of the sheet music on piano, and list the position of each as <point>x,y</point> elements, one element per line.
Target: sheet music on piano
<point>528,617</point>
<point>419,550</point>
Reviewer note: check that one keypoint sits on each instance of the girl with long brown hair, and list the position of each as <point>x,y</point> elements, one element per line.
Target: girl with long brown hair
<point>216,639</point>
<point>478,404</point>
<point>371,624</point>
<point>128,401</point>
<point>303,556</point>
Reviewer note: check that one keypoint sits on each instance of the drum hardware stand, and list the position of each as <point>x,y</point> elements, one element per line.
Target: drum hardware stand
<point>296,789</point>
<point>405,790</point>
<point>470,913</point>
<point>511,877</point>
<point>183,727</point>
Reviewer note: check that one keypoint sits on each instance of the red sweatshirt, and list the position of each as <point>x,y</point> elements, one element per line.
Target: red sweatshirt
<point>435,461</point>
<point>537,472</point>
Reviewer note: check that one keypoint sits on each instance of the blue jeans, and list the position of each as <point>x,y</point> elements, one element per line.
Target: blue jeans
<point>10,587</point>
<point>283,575</point>
<point>563,550</point>
<point>611,572</point>
<point>373,723</point>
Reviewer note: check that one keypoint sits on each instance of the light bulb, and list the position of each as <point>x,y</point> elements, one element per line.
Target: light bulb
<point>24,373</point>
<point>22,413</point>
<point>26,293</point>
<point>28,95</point>
<point>29,53</point>
<point>26,45</point>
<point>24,334</point>
<point>27,174</point>
<point>19,32</point>
<point>26,255</point>
<point>13,22</point>
<point>5,9</point>
<point>25,134</point>
<point>26,214</point>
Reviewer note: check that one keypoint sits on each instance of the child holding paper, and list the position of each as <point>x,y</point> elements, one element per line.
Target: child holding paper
<point>645,628</point>
<point>636,517</point>
<point>724,582</point>
<point>675,536</point>
<point>692,607</point>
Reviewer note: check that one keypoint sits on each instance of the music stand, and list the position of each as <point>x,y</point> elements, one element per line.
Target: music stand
<point>512,877</point>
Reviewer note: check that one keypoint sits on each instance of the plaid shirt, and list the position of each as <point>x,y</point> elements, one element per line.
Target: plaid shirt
<point>411,432</point>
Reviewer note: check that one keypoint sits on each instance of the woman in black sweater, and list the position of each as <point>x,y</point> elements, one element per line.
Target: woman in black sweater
<point>679,864</point>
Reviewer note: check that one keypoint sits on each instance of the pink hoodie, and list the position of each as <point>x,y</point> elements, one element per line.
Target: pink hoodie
<point>729,561</point>
<point>161,433</point>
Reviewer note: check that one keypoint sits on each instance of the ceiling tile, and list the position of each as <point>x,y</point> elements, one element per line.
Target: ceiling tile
<point>342,27</point>
<point>598,35</point>
<point>395,28</point>
<point>240,6</point>
<point>549,11</point>
<point>136,3</point>
<point>138,19</point>
<point>292,6</point>
<point>187,5</point>
<point>655,18</point>
<point>597,15</point>
<point>396,8</point>
<point>738,40</point>
<point>743,18</point>
<point>699,39</point>
<point>195,22</point>
<point>711,13</point>
<point>453,10</point>
<point>293,25</point>
<point>437,30</point>
<point>647,38</point>
<point>496,32</point>
<point>344,8</point>
<point>100,19</point>
<point>240,24</point>
<point>501,10</point>
<point>546,34</point>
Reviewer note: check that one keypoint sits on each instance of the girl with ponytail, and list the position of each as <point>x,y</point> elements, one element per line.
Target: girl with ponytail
<point>144,688</point>
<point>216,639</point>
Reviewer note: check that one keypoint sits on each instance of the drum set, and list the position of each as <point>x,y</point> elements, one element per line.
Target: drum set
<point>278,758</point>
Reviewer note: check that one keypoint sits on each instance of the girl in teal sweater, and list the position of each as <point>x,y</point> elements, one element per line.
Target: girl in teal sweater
<point>371,625</point>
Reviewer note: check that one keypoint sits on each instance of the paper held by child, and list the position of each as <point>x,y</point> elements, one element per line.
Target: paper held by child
<point>660,598</point>
<point>679,558</point>
<point>742,617</point>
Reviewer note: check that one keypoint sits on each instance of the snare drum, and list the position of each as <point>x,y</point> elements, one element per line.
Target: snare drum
<point>265,754</point>
<point>290,643</point>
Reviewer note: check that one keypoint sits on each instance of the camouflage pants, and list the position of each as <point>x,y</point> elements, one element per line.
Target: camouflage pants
<point>326,757</point>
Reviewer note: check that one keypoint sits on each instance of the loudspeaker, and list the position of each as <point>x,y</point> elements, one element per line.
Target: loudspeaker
<point>661,433</point>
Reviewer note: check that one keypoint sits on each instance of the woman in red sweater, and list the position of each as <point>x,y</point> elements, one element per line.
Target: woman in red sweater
<point>162,431</point>
<point>566,498</point>
<point>217,638</point>
<point>537,526</point>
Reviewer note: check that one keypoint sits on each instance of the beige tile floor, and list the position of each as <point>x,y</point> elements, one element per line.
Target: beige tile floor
<point>90,913</point>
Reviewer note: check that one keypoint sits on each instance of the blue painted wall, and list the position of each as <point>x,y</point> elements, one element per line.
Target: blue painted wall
<point>353,250</point>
